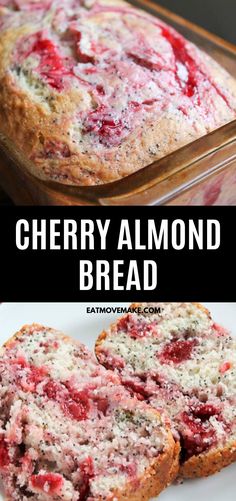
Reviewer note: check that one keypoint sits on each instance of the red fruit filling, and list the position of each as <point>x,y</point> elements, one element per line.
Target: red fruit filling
<point>21,361</point>
<point>52,67</point>
<point>220,331</point>
<point>51,63</point>
<point>87,468</point>
<point>87,472</point>
<point>111,361</point>
<point>77,410</point>
<point>130,469</point>
<point>82,56</point>
<point>31,377</point>
<point>226,366</point>
<point>50,483</point>
<point>200,434</point>
<point>47,345</point>
<point>27,464</point>
<point>84,490</point>
<point>137,389</point>
<point>73,403</point>
<point>108,128</point>
<point>146,57</point>
<point>52,390</point>
<point>177,352</point>
<point>204,411</point>
<point>100,89</point>
<point>134,106</point>
<point>136,328</point>
<point>37,374</point>
<point>149,102</point>
<point>32,5</point>
<point>79,407</point>
<point>4,455</point>
<point>102,404</point>
<point>182,56</point>
<point>56,149</point>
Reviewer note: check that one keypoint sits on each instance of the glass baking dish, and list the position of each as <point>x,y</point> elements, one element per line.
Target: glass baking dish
<point>201,173</point>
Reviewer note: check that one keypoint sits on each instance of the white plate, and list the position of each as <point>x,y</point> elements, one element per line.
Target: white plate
<point>73,319</point>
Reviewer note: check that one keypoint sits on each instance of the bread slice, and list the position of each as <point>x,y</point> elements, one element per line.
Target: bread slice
<point>70,431</point>
<point>181,361</point>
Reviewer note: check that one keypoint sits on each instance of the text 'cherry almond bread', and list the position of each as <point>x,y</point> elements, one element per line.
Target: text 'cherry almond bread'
<point>181,361</point>
<point>93,90</point>
<point>70,431</point>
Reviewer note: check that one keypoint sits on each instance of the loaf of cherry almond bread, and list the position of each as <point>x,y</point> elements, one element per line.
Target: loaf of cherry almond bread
<point>181,361</point>
<point>93,90</point>
<point>70,431</point>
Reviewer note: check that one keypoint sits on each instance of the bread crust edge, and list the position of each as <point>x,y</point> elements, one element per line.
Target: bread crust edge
<point>158,476</point>
<point>210,463</point>
<point>204,464</point>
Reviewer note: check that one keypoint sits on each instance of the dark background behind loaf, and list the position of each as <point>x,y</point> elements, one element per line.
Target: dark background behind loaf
<point>218,16</point>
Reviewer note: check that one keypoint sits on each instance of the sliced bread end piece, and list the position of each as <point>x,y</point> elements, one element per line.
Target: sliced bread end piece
<point>70,431</point>
<point>180,361</point>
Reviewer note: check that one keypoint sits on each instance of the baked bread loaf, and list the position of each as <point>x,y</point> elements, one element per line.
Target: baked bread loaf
<point>181,361</point>
<point>70,431</point>
<point>93,90</point>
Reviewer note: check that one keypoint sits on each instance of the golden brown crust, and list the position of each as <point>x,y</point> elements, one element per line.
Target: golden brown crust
<point>161,474</point>
<point>209,463</point>
<point>99,341</point>
<point>32,328</point>
<point>27,124</point>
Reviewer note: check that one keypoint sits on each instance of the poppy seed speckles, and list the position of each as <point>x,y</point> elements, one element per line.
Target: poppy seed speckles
<point>69,430</point>
<point>181,362</point>
<point>110,87</point>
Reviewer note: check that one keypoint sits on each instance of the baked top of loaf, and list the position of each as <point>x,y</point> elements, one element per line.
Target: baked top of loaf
<point>183,362</point>
<point>93,90</point>
<point>70,431</point>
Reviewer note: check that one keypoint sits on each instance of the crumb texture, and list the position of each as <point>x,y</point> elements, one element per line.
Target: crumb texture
<point>183,362</point>
<point>99,89</point>
<point>70,431</point>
